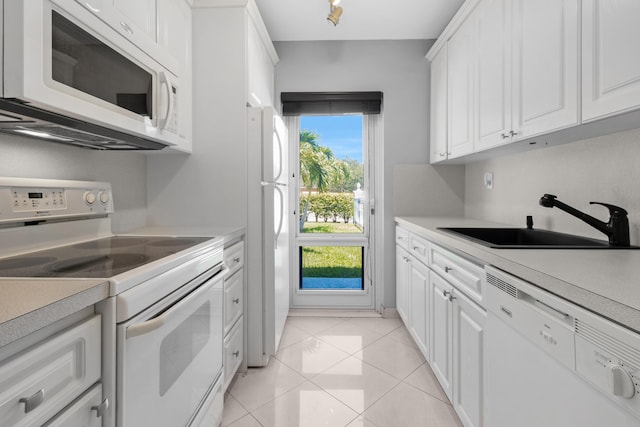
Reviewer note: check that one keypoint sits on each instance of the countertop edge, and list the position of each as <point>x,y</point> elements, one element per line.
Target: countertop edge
<point>614,311</point>
<point>25,324</point>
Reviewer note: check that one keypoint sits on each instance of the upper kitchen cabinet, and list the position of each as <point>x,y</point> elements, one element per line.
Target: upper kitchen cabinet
<point>138,22</point>
<point>261,58</point>
<point>526,69</point>
<point>512,73</point>
<point>438,131</point>
<point>492,52</point>
<point>610,59</point>
<point>174,36</point>
<point>545,66</point>
<point>460,91</point>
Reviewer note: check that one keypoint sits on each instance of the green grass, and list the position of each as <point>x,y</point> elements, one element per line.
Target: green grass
<point>330,227</point>
<point>332,261</point>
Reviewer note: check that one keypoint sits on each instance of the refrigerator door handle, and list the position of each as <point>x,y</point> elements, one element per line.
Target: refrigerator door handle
<point>281,219</point>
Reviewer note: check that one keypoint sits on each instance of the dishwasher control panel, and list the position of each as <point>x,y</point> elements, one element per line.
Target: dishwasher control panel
<point>611,362</point>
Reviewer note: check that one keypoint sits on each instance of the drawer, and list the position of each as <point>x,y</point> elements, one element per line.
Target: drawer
<point>234,257</point>
<point>38,383</point>
<point>86,412</point>
<point>233,352</point>
<point>233,301</point>
<point>402,237</point>
<point>460,272</point>
<point>419,248</point>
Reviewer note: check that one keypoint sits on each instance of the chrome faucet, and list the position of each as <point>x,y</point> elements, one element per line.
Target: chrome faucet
<point>617,229</point>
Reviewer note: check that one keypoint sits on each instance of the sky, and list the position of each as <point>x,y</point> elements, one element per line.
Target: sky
<point>343,134</point>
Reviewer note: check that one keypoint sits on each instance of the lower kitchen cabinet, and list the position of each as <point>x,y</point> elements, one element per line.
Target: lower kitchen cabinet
<point>444,316</point>
<point>402,283</point>
<point>419,292</point>
<point>38,384</point>
<point>233,311</point>
<point>440,312</point>
<point>468,350</point>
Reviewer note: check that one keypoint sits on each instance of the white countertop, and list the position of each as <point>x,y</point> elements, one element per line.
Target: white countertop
<point>604,281</point>
<point>29,305</point>
<point>229,233</point>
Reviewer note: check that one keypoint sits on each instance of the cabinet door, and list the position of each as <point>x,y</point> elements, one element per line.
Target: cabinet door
<point>402,284</point>
<point>441,331</point>
<point>610,59</point>
<point>460,91</point>
<point>174,37</point>
<point>419,285</point>
<point>137,15</point>
<point>438,139</point>
<point>545,66</point>
<point>260,69</point>
<point>492,74</point>
<point>468,356</point>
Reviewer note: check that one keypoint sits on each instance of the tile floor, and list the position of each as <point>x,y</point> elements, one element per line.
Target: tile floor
<point>356,372</point>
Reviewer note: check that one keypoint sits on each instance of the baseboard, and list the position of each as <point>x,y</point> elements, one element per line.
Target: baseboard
<point>310,312</point>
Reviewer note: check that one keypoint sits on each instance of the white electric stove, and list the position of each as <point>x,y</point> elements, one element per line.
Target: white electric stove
<point>166,290</point>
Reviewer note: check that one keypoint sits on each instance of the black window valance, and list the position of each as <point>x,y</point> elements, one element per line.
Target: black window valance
<point>300,103</point>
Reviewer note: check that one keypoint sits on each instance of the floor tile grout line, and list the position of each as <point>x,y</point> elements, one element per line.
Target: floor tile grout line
<point>447,401</point>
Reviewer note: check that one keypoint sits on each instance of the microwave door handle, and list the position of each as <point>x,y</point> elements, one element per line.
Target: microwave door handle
<point>164,81</point>
<point>157,322</point>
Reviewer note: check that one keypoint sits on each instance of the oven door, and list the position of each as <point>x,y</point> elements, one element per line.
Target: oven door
<point>65,60</point>
<point>169,357</point>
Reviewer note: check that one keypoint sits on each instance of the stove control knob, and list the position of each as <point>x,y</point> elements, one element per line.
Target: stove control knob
<point>620,382</point>
<point>104,197</point>
<point>89,197</point>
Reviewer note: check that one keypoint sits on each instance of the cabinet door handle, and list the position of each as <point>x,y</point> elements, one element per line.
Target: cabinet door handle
<point>236,353</point>
<point>442,154</point>
<point>236,259</point>
<point>236,300</point>
<point>451,298</point>
<point>447,269</point>
<point>91,8</point>
<point>101,408</point>
<point>446,293</point>
<point>504,135</point>
<point>126,27</point>
<point>32,402</point>
<point>513,133</point>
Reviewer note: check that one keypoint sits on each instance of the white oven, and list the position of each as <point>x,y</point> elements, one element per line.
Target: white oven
<point>66,73</point>
<point>170,355</point>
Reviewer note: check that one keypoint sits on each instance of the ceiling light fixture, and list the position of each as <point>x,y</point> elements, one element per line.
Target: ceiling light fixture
<point>334,12</point>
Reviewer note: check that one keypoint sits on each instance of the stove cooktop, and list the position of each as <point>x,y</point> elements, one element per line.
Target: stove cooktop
<point>101,258</point>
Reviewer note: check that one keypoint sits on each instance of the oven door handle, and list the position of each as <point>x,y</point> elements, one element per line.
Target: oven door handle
<point>157,322</point>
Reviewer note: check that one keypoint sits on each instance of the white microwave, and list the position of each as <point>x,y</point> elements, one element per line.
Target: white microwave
<point>69,77</point>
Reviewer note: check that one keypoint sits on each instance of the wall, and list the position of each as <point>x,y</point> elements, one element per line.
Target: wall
<point>604,169</point>
<point>209,187</point>
<point>398,69</point>
<point>23,157</point>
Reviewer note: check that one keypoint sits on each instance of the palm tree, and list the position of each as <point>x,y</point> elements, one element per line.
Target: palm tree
<point>316,161</point>
<point>317,165</point>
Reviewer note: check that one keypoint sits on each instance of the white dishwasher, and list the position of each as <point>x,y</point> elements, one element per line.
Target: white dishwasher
<point>551,363</point>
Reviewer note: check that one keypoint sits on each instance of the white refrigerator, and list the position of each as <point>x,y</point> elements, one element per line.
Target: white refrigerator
<point>267,234</point>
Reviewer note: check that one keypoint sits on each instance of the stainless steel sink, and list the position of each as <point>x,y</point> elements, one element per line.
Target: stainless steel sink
<point>524,238</point>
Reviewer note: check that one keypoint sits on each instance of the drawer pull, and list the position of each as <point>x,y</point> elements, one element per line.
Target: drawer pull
<point>101,408</point>
<point>236,353</point>
<point>31,403</point>
<point>448,269</point>
<point>236,300</point>
<point>236,259</point>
